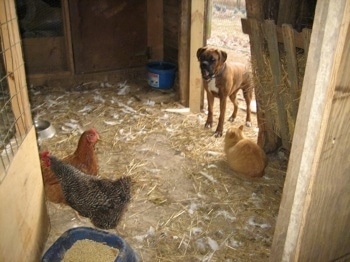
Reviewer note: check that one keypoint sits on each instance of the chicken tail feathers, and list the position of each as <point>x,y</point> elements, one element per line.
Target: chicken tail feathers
<point>124,187</point>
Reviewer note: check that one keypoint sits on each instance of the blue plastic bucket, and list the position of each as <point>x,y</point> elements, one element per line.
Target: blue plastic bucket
<point>161,74</point>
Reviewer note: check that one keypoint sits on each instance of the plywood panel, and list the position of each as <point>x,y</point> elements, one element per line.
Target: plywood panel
<point>45,55</point>
<point>23,216</point>
<point>108,34</point>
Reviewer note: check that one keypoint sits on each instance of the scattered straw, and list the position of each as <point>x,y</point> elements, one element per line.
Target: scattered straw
<point>183,191</point>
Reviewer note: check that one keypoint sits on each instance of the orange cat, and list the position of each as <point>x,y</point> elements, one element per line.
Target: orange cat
<point>244,156</point>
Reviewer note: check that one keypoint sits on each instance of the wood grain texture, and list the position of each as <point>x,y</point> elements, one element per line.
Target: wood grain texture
<point>184,52</point>
<point>197,32</point>
<point>313,222</point>
<point>271,36</point>
<point>24,223</point>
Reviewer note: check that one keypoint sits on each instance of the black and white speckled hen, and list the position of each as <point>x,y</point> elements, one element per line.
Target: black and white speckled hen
<point>103,201</point>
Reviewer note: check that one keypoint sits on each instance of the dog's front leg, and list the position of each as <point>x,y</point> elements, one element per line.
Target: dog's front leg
<point>210,99</point>
<point>220,126</point>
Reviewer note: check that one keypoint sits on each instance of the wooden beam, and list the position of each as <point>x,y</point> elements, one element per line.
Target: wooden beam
<point>184,52</point>
<point>314,218</point>
<point>197,35</point>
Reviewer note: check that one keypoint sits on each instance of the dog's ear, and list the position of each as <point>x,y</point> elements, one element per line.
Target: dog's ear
<point>241,128</point>
<point>223,56</point>
<point>200,51</point>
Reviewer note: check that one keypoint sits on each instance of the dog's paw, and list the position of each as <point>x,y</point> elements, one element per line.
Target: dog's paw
<point>208,125</point>
<point>218,133</point>
<point>231,119</point>
<point>248,124</point>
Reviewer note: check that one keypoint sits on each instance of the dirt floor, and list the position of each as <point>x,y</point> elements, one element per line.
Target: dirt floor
<point>187,204</point>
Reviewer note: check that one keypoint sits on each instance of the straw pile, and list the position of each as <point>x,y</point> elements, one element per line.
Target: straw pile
<point>187,204</point>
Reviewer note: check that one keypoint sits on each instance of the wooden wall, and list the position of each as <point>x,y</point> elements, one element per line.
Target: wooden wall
<point>23,217</point>
<point>278,53</point>
<point>171,14</point>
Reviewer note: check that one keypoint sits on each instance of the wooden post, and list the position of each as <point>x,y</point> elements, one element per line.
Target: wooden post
<point>197,32</point>
<point>208,18</point>
<point>267,138</point>
<point>184,52</point>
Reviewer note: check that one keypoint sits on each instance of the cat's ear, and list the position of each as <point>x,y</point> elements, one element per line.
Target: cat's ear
<point>241,128</point>
<point>229,132</point>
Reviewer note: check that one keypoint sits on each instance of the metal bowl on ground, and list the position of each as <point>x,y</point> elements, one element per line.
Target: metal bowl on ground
<point>44,129</point>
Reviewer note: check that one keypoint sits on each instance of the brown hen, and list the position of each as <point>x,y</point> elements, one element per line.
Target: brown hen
<point>84,158</point>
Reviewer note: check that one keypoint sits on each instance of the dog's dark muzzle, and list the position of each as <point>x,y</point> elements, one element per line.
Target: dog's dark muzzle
<point>207,72</point>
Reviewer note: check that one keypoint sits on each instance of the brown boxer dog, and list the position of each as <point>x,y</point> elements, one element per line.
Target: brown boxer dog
<point>228,79</point>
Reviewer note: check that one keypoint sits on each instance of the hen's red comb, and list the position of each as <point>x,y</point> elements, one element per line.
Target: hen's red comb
<point>45,157</point>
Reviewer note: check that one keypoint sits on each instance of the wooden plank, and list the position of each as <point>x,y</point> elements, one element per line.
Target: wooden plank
<point>184,52</point>
<point>279,95</point>
<point>45,54</point>
<point>67,36</point>
<point>313,221</point>
<point>197,33</point>
<point>306,36</point>
<point>298,36</point>
<point>155,29</point>
<point>24,223</point>
<point>255,9</point>
<point>267,139</point>
<point>287,12</point>
<point>292,70</point>
<point>329,200</point>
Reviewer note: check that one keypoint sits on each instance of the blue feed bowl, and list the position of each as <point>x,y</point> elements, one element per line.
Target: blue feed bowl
<point>56,252</point>
<point>161,75</point>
